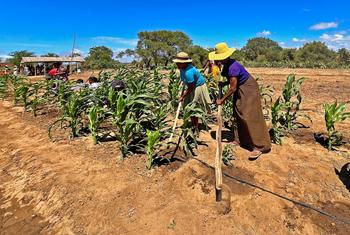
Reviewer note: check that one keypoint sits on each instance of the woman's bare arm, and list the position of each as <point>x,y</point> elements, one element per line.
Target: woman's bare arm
<point>191,87</point>
<point>231,90</point>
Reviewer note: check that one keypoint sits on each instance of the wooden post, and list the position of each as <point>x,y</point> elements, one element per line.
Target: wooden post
<point>218,157</point>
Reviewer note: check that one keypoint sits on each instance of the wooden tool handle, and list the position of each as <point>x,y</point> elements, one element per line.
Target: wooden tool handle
<point>218,157</point>
<point>175,122</point>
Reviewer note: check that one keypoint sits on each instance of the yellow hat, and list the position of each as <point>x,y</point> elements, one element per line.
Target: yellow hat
<point>182,57</point>
<point>222,51</point>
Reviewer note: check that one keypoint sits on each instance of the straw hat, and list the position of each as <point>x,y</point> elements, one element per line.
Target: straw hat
<point>182,57</point>
<point>222,51</point>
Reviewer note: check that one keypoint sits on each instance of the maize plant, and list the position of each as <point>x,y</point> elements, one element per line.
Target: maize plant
<point>3,86</point>
<point>228,117</point>
<point>21,95</point>
<point>125,121</point>
<point>95,116</point>
<point>37,100</point>
<point>104,76</point>
<point>334,113</point>
<point>63,95</point>
<point>112,98</point>
<point>71,115</point>
<point>228,155</point>
<point>291,97</point>
<point>174,88</point>
<point>156,118</point>
<point>188,140</point>
<point>277,118</point>
<point>153,141</point>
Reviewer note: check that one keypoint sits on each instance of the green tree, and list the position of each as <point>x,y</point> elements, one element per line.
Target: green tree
<point>159,47</point>
<point>262,48</point>
<point>288,54</point>
<point>314,53</point>
<point>344,56</point>
<point>198,54</point>
<point>100,57</point>
<point>238,55</point>
<point>50,54</point>
<point>127,53</point>
<point>18,55</point>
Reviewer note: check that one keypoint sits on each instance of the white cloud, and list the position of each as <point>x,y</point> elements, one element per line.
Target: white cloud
<point>298,40</point>
<point>324,25</point>
<point>264,33</point>
<point>117,40</point>
<point>336,41</point>
<point>4,57</point>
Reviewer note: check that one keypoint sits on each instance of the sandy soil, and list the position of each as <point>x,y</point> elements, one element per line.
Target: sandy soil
<point>74,187</point>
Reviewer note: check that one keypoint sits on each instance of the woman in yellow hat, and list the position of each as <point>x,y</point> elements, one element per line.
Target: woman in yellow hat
<point>197,90</point>
<point>252,130</point>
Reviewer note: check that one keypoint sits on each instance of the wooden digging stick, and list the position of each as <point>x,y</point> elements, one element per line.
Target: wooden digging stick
<point>218,157</point>
<point>176,117</point>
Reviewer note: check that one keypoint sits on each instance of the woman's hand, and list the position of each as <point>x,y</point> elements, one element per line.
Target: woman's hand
<point>219,101</point>
<point>181,99</point>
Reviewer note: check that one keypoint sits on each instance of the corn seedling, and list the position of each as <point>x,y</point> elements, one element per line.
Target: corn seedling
<point>278,130</point>
<point>153,141</point>
<point>334,113</point>
<point>174,88</point>
<point>228,117</point>
<point>71,112</point>
<point>37,100</point>
<point>228,155</point>
<point>125,119</point>
<point>3,86</point>
<point>21,95</point>
<point>188,140</point>
<point>285,111</point>
<point>95,116</point>
<point>291,97</point>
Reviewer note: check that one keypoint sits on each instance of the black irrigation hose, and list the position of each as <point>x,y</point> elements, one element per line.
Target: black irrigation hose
<point>299,203</point>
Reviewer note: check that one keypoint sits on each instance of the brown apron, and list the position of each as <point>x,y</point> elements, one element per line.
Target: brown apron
<point>251,126</point>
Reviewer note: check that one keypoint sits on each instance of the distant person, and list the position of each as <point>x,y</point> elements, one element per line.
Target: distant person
<point>58,72</point>
<point>252,130</point>
<point>93,83</point>
<point>79,85</point>
<point>53,73</point>
<point>15,71</point>
<point>215,71</point>
<point>197,91</point>
<point>26,71</point>
<point>63,73</point>
<point>118,85</point>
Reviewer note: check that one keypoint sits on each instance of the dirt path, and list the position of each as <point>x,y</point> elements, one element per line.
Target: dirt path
<point>77,188</point>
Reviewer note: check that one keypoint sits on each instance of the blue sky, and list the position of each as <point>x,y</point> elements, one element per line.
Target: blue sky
<point>48,26</point>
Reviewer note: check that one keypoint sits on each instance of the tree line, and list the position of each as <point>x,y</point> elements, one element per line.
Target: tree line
<point>157,48</point>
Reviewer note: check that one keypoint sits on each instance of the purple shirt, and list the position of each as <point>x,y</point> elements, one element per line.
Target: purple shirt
<point>235,69</point>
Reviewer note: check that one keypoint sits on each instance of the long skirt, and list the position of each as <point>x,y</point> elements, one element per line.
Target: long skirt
<point>200,96</point>
<point>251,126</point>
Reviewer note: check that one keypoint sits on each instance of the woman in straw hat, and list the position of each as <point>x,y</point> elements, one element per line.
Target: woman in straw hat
<point>197,90</point>
<point>251,126</point>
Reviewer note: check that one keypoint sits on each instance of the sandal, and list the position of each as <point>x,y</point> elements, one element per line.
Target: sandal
<point>234,143</point>
<point>254,155</point>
